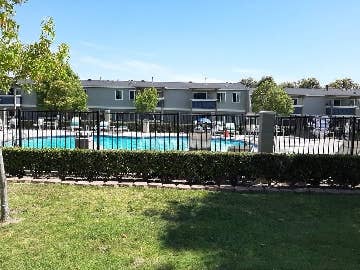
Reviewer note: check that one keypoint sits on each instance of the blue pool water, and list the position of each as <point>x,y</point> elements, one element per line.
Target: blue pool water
<point>129,143</point>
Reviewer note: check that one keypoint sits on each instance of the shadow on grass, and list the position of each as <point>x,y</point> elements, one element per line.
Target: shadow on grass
<point>263,231</point>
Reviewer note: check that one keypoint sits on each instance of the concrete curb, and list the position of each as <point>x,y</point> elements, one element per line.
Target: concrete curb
<point>222,188</point>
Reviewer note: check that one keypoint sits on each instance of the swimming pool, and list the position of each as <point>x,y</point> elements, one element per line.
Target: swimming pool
<point>163,143</point>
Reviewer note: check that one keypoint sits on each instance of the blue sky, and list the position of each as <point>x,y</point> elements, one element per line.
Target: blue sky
<point>186,40</point>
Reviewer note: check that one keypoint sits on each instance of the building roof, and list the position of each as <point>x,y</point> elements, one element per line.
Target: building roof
<point>165,85</point>
<point>320,92</point>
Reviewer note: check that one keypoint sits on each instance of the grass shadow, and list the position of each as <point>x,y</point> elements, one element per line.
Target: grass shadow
<point>264,231</point>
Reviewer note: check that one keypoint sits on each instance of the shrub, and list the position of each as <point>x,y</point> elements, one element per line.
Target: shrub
<point>195,167</point>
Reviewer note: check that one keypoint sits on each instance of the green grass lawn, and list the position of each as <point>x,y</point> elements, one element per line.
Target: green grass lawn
<point>68,227</point>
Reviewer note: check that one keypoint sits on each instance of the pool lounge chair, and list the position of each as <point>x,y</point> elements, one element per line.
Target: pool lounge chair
<point>75,123</point>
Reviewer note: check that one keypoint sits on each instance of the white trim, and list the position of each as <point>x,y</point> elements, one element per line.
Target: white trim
<point>212,99</point>
<point>221,92</point>
<point>132,90</point>
<point>342,107</point>
<point>229,110</point>
<point>176,109</point>
<point>203,110</point>
<point>122,94</point>
<point>110,107</point>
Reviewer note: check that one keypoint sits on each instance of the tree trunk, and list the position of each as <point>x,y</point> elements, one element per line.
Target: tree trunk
<point>5,211</point>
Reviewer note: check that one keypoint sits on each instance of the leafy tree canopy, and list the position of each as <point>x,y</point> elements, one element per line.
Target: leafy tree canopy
<point>345,84</point>
<point>270,97</point>
<point>249,82</point>
<point>146,100</point>
<point>288,85</point>
<point>309,83</point>
<point>266,79</point>
<point>36,66</point>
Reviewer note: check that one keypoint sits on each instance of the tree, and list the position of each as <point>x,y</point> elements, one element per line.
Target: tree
<point>309,83</point>
<point>29,66</point>
<point>63,94</point>
<point>345,84</point>
<point>288,85</point>
<point>266,79</point>
<point>249,82</point>
<point>146,100</point>
<point>270,97</point>
<point>59,88</point>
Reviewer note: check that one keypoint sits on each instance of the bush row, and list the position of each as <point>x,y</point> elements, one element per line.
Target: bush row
<point>195,167</point>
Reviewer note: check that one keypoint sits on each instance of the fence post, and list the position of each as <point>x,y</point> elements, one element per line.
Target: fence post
<point>266,131</point>
<point>98,130</point>
<point>178,131</point>
<point>19,118</point>
<point>353,127</point>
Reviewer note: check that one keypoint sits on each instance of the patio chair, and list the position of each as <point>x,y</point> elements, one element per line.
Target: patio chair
<point>104,125</point>
<point>231,128</point>
<point>75,123</point>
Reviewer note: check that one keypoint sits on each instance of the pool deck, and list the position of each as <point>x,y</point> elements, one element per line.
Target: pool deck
<point>284,144</point>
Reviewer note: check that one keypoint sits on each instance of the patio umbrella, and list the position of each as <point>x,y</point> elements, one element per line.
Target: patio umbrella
<point>204,120</point>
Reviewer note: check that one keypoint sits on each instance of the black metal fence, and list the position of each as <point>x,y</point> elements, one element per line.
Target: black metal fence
<point>317,135</point>
<point>215,132</point>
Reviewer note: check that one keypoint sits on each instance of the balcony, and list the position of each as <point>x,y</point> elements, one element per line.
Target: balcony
<point>203,104</point>
<point>341,110</point>
<point>8,100</point>
<point>298,109</point>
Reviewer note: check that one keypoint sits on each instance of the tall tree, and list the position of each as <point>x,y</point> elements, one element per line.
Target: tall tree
<point>63,94</point>
<point>249,82</point>
<point>266,79</point>
<point>146,100</point>
<point>59,88</point>
<point>270,97</point>
<point>29,66</point>
<point>309,83</point>
<point>345,84</point>
<point>288,85</point>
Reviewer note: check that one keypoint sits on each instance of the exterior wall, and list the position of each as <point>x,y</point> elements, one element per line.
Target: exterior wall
<point>228,105</point>
<point>314,105</point>
<point>104,98</point>
<point>29,100</point>
<point>177,99</point>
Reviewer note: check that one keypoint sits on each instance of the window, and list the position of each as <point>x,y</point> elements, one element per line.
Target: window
<point>132,94</point>
<point>337,102</point>
<point>221,97</point>
<point>236,97</point>
<point>118,94</point>
<point>200,95</point>
<point>295,101</point>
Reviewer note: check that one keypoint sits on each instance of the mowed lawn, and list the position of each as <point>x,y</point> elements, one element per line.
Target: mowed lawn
<point>72,227</point>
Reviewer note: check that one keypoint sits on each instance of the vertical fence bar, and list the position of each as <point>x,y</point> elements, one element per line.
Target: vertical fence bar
<point>98,130</point>
<point>178,131</point>
<point>353,127</point>
<point>19,126</point>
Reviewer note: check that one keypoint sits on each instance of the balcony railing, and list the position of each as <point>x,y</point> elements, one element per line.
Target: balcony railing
<point>205,104</point>
<point>8,100</point>
<point>341,110</point>
<point>298,109</point>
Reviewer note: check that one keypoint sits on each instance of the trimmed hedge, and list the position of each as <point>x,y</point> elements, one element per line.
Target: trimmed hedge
<point>195,167</point>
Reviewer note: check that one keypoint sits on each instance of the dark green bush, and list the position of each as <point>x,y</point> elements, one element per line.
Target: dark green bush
<point>195,167</point>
